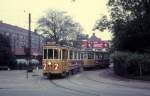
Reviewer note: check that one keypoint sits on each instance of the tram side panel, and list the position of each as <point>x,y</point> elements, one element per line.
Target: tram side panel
<point>74,61</point>
<point>95,59</point>
<point>88,63</point>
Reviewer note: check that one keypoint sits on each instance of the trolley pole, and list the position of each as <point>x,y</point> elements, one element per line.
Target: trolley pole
<point>29,45</point>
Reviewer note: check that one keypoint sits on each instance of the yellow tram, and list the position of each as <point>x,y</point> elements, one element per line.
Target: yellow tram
<point>87,57</point>
<point>60,60</point>
<point>94,58</point>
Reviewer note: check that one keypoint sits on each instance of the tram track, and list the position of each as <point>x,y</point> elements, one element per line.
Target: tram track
<point>89,82</point>
<point>85,91</point>
<point>111,83</point>
<point>87,77</point>
<point>86,85</point>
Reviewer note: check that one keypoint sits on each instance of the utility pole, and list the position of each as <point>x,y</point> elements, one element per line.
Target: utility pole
<point>29,46</point>
<point>29,36</point>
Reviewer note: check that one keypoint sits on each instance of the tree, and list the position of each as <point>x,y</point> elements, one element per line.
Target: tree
<point>129,24</point>
<point>6,56</point>
<point>58,26</point>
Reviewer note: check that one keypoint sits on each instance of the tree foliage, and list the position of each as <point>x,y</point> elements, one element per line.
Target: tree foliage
<point>129,24</point>
<point>6,56</point>
<point>58,26</point>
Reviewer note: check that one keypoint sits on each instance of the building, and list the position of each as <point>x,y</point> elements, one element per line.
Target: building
<point>19,40</point>
<point>80,39</point>
<point>94,43</point>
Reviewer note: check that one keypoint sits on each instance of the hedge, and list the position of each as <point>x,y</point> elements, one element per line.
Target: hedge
<point>127,63</point>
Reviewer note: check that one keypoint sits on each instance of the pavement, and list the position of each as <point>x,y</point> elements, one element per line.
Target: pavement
<point>107,76</point>
<point>88,83</point>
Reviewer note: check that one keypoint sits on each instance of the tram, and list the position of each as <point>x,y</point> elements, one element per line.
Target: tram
<point>87,57</point>
<point>102,59</point>
<point>94,58</point>
<point>60,60</point>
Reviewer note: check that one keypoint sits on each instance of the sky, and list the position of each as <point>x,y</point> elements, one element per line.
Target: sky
<point>85,12</point>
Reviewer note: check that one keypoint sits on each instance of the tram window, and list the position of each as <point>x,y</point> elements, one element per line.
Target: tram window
<point>78,55</point>
<point>64,54</point>
<point>85,55</point>
<point>75,55</point>
<point>82,56</point>
<point>45,53</point>
<point>55,54</point>
<point>71,54</point>
<point>90,55</point>
<point>50,53</point>
<point>106,56</point>
<point>98,56</point>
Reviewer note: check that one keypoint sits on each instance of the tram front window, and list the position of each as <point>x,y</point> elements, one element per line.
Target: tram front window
<point>90,55</point>
<point>50,53</point>
<point>55,54</point>
<point>45,53</point>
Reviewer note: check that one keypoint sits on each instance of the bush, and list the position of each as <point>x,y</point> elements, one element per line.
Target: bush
<point>134,62</point>
<point>119,59</point>
<point>7,58</point>
<point>131,64</point>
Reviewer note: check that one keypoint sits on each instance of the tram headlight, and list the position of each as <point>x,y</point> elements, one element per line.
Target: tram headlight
<point>49,63</point>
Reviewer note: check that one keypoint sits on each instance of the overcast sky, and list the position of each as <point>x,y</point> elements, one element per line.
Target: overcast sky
<point>86,12</point>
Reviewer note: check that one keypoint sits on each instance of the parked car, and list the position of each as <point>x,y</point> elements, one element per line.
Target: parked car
<point>24,64</point>
<point>4,68</point>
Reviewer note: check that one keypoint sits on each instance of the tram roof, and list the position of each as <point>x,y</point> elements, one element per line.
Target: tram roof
<point>54,45</point>
<point>94,50</point>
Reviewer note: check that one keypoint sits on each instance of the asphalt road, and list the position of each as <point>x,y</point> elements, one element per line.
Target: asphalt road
<point>87,83</point>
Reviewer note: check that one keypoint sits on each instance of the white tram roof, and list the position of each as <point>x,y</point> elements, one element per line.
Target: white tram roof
<point>94,50</point>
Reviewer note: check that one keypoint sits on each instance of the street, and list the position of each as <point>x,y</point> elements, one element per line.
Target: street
<point>87,83</point>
